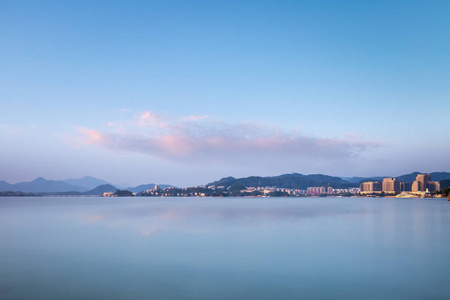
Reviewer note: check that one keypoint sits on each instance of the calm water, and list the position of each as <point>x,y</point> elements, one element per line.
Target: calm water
<point>224,248</point>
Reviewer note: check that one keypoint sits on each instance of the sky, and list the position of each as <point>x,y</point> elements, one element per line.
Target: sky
<point>188,92</point>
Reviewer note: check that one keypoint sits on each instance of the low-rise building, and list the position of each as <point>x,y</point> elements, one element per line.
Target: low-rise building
<point>316,190</point>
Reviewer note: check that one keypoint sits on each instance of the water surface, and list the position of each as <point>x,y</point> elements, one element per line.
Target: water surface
<point>224,248</point>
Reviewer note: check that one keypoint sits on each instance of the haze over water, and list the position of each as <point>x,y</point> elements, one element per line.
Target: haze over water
<point>224,248</point>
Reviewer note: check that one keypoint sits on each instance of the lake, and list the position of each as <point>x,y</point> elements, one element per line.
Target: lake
<point>224,248</point>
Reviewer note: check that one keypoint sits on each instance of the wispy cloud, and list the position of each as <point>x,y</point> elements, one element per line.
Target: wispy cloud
<point>204,138</point>
<point>17,129</point>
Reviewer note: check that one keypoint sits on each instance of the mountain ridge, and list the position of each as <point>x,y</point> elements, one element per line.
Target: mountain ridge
<point>292,180</point>
<point>87,182</point>
<point>85,186</point>
<point>300,181</point>
<point>42,185</point>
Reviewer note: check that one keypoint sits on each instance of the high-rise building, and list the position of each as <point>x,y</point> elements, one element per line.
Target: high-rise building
<point>405,186</point>
<point>391,185</point>
<point>371,186</point>
<point>434,186</point>
<point>423,179</point>
<point>416,186</point>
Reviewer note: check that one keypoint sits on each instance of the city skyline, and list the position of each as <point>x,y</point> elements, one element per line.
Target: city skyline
<point>179,93</point>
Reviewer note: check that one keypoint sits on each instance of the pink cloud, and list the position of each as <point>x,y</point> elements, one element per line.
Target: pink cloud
<point>151,119</point>
<point>203,139</point>
<point>92,136</point>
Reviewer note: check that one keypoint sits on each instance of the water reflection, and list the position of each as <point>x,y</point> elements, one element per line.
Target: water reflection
<point>149,217</point>
<point>189,248</point>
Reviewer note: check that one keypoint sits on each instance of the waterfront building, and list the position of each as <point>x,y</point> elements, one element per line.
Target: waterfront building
<point>423,183</point>
<point>423,179</point>
<point>405,186</point>
<point>434,186</point>
<point>316,190</point>
<point>390,185</point>
<point>416,186</point>
<point>371,186</point>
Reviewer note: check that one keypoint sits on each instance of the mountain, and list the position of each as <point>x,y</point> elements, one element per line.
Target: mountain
<point>444,183</point>
<point>409,177</point>
<point>104,188</point>
<point>435,176</point>
<point>293,181</point>
<point>359,180</point>
<point>299,181</point>
<point>165,186</point>
<point>86,182</point>
<point>121,186</point>
<point>375,178</point>
<point>84,186</point>
<point>4,186</point>
<point>42,185</point>
<point>93,186</point>
<point>140,188</point>
<point>144,187</point>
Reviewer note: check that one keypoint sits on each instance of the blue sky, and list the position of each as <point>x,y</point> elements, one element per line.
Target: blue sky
<point>187,92</point>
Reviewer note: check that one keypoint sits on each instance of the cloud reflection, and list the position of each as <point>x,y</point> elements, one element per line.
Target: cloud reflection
<point>204,216</point>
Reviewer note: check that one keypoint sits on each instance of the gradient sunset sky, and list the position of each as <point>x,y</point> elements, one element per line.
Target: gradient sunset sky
<point>188,92</point>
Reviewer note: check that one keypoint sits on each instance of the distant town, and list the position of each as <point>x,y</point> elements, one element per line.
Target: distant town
<point>287,185</point>
<point>422,187</point>
<point>237,191</point>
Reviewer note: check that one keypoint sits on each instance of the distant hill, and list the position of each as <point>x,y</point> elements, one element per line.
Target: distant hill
<point>376,178</point>
<point>293,181</point>
<point>99,190</point>
<point>435,176</point>
<point>444,183</point>
<point>4,186</point>
<point>86,182</point>
<point>93,186</point>
<point>362,179</point>
<point>41,185</point>
<point>84,186</point>
<point>409,177</point>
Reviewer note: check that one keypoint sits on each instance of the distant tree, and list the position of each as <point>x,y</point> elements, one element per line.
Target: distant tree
<point>123,193</point>
<point>219,194</point>
<point>236,187</point>
<point>444,183</point>
<point>446,192</point>
<point>279,194</point>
